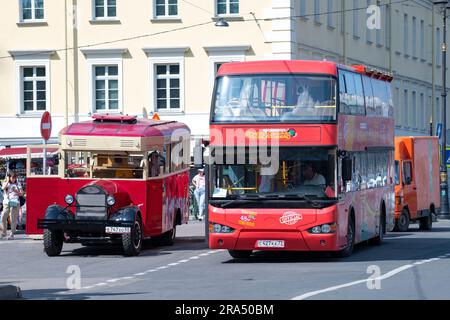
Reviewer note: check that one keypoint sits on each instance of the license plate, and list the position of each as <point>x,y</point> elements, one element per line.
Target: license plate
<point>118,230</point>
<point>270,244</point>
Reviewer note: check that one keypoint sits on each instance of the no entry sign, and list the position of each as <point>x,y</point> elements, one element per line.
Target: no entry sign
<point>46,126</point>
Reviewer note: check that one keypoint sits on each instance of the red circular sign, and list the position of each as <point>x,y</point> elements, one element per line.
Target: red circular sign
<point>46,126</point>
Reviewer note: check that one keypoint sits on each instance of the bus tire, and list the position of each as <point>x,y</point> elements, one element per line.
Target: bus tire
<point>132,242</point>
<point>378,240</point>
<point>347,252</point>
<point>426,223</point>
<point>240,254</point>
<point>402,223</point>
<point>53,242</point>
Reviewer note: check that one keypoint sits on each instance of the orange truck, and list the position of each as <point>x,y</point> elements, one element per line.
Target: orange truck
<point>417,196</point>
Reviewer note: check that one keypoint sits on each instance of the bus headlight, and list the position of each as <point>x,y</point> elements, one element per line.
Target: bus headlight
<point>111,201</point>
<point>218,228</point>
<point>324,228</point>
<point>68,199</point>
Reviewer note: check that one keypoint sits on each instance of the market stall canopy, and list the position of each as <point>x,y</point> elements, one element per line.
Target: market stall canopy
<point>21,153</point>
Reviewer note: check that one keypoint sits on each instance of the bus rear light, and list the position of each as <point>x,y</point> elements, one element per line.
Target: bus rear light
<point>324,229</point>
<point>218,228</point>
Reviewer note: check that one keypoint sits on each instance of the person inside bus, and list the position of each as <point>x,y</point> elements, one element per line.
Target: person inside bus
<point>154,161</point>
<point>304,99</point>
<point>311,177</point>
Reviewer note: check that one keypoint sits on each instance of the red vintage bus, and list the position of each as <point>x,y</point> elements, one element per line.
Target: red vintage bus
<point>121,179</point>
<point>329,129</point>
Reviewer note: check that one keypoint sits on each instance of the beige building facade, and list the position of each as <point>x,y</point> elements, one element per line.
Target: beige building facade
<point>75,58</point>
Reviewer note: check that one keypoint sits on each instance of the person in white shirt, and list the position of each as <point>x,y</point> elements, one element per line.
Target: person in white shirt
<point>312,178</point>
<point>199,183</point>
<point>11,204</point>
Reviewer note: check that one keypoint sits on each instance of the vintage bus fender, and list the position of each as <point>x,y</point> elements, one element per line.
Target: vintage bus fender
<point>56,212</point>
<point>128,214</point>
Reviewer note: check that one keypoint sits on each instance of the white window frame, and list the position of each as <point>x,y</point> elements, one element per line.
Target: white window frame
<point>33,13</point>
<point>104,57</point>
<point>227,14</point>
<point>106,79</point>
<point>166,16</point>
<point>105,16</point>
<point>33,58</point>
<point>223,54</point>
<point>159,56</point>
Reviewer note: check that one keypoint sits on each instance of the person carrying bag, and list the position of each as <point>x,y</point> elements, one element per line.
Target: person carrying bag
<point>11,204</point>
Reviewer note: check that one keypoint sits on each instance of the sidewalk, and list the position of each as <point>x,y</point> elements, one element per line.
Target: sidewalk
<point>194,230</point>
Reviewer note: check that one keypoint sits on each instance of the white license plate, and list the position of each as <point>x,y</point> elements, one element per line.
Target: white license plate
<point>118,230</point>
<point>270,244</point>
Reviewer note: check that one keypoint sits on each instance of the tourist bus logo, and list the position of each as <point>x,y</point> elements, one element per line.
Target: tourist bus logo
<point>290,218</point>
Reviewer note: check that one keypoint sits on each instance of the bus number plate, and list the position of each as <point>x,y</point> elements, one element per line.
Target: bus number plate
<point>118,230</point>
<point>270,244</point>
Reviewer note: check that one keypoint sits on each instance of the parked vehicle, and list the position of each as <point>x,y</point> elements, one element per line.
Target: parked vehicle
<point>121,180</point>
<point>417,195</point>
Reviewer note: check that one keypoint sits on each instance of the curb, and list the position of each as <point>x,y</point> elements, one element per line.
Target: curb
<point>10,293</point>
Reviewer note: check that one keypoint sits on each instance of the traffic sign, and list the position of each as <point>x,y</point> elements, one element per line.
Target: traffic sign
<point>447,157</point>
<point>439,130</point>
<point>46,126</point>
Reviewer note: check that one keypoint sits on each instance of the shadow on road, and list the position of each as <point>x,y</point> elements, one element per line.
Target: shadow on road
<point>56,294</point>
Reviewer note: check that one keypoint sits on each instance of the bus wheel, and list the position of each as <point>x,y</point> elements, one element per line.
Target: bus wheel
<point>53,242</point>
<point>347,252</point>
<point>240,254</point>
<point>132,242</point>
<point>378,240</point>
<point>402,223</point>
<point>166,239</point>
<point>426,223</point>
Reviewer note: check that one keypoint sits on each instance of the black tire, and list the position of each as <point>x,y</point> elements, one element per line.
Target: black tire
<point>240,254</point>
<point>53,242</point>
<point>402,223</point>
<point>426,223</point>
<point>132,242</point>
<point>347,252</point>
<point>378,240</point>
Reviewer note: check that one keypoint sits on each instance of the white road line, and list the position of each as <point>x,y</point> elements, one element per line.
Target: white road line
<point>139,274</point>
<point>173,264</point>
<point>204,254</point>
<point>113,280</point>
<point>100,284</point>
<point>183,261</point>
<point>194,258</point>
<point>349,284</point>
<point>87,288</point>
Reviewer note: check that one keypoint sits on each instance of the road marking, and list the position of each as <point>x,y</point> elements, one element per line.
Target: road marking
<point>173,264</point>
<point>183,261</point>
<point>204,254</point>
<point>113,280</point>
<point>350,284</point>
<point>139,274</point>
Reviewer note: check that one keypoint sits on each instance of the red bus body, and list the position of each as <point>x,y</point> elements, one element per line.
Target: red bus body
<point>159,200</point>
<point>372,207</point>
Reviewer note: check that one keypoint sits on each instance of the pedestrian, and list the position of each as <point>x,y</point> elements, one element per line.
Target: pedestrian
<point>199,183</point>
<point>11,204</point>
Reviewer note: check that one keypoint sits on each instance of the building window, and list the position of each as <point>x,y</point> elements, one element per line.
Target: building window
<point>34,89</point>
<point>105,9</point>
<point>227,7</point>
<point>355,18</point>
<point>405,34</point>
<point>106,88</point>
<point>423,113</point>
<point>32,10</point>
<point>438,46</point>
<point>405,108</point>
<point>387,23</point>
<point>397,106</point>
<point>166,8</point>
<point>422,39</point>
<point>303,8</point>
<point>414,37</point>
<point>317,11</point>
<point>167,86</point>
<point>330,21</point>
<point>414,110</point>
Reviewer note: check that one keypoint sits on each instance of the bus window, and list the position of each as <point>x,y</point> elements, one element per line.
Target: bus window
<point>390,103</point>
<point>379,92</point>
<point>351,92</point>
<point>354,95</point>
<point>342,94</point>
<point>359,108</point>
<point>368,93</point>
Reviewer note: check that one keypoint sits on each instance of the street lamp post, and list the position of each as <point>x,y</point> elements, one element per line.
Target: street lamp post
<point>444,212</point>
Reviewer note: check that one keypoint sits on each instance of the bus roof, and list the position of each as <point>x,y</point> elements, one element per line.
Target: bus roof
<point>281,66</point>
<point>117,128</point>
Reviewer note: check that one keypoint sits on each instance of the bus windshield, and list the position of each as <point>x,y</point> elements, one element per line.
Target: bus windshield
<point>302,173</point>
<point>274,98</point>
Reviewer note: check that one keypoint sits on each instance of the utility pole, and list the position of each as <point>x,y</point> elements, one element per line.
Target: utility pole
<point>444,213</point>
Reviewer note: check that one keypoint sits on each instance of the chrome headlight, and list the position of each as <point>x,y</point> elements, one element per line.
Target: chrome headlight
<point>110,201</point>
<point>69,199</point>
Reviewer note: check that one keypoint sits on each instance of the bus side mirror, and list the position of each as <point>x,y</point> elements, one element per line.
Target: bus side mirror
<point>346,169</point>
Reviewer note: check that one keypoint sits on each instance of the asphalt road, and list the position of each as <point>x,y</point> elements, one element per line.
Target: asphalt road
<point>412,265</point>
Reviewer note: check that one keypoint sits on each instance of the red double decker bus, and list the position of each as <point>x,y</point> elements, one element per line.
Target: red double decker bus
<point>301,157</point>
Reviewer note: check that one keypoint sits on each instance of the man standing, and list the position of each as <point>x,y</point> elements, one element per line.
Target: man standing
<point>199,183</point>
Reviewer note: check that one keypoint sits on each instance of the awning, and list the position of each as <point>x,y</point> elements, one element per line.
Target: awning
<point>21,153</point>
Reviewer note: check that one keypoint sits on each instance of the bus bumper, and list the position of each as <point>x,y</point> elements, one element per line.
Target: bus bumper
<point>293,240</point>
